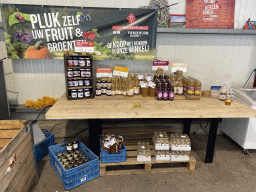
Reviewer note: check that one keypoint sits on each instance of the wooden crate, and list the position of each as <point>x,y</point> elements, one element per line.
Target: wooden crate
<point>131,136</point>
<point>23,173</point>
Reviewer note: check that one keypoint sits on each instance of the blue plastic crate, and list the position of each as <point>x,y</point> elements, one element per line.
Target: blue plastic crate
<point>41,149</point>
<point>78,175</point>
<point>112,158</point>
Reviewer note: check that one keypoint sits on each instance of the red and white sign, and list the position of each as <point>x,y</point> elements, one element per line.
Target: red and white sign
<point>84,46</point>
<point>160,65</point>
<point>131,18</point>
<point>103,72</point>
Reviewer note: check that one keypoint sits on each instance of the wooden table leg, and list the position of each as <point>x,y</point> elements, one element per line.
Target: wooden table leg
<point>95,130</point>
<point>211,140</point>
<point>187,125</point>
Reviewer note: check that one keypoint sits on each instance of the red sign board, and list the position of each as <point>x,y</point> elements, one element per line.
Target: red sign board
<point>131,18</point>
<point>210,14</point>
<point>160,63</point>
<point>84,44</point>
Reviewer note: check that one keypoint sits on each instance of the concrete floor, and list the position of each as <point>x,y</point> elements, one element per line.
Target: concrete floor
<point>231,170</point>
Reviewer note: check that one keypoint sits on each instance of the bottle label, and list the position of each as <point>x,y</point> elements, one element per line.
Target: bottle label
<point>159,95</point>
<point>151,84</point>
<point>103,90</point>
<point>190,90</point>
<point>179,90</point>
<point>75,62</point>
<point>83,74</point>
<point>136,90</point>
<point>171,95</point>
<point>175,90</point>
<point>80,94</point>
<point>70,62</point>
<point>112,141</point>
<point>75,145</point>
<point>113,92</point>
<point>124,92</point>
<point>165,95</point>
<point>80,83</point>
<point>130,92</point>
<point>98,92</point>
<point>70,74</point>
<point>69,148</point>
<point>81,63</point>
<point>74,95</point>
<point>108,92</point>
<point>87,94</point>
<point>197,90</point>
<point>140,76</point>
<point>109,85</point>
<point>106,144</point>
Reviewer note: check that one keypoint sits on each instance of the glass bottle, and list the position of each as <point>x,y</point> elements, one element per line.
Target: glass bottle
<point>118,91</point>
<point>113,89</point>
<point>159,91</point>
<point>124,89</point>
<point>137,87</point>
<point>166,77</point>
<point>165,92</point>
<point>155,77</point>
<point>171,93</point>
<point>174,87</point>
<point>129,78</point>
<point>197,87</point>
<point>130,89</point>
<point>179,88</point>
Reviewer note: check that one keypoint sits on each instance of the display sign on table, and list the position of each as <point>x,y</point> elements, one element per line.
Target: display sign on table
<point>210,14</point>
<point>45,32</point>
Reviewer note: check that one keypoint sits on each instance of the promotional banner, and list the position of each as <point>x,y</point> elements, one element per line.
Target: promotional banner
<point>45,32</point>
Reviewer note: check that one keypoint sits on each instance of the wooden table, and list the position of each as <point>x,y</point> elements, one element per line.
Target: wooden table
<point>109,108</point>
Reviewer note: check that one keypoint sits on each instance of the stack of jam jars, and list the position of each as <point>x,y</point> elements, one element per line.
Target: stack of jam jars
<point>73,157</point>
<point>143,151</point>
<point>161,145</point>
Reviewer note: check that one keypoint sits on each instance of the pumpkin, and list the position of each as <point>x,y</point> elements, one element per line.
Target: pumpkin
<point>38,52</point>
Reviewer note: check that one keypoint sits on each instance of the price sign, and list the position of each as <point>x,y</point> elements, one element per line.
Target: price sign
<point>84,46</point>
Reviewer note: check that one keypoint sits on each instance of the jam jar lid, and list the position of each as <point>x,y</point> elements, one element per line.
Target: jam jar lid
<point>80,90</point>
<point>82,69</point>
<point>88,69</point>
<point>74,90</point>
<point>70,69</point>
<point>86,89</point>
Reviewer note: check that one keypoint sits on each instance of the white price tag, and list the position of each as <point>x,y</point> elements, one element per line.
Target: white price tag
<point>83,179</point>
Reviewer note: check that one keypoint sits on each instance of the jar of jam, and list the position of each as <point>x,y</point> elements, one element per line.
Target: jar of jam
<point>108,84</point>
<point>70,83</point>
<point>88,73</point>
<point>152,89</point>
<point>76,73</point>
<point>70,73</point>
<point>171,92</point>
<point>75,61</point>
<point>108,91</point>
<point>75,83</point>
<point>87,82</point>
<point>75,144</point>
<point>88,62</point>
<point>75,164</point>
<point>74,93</point>
<point>70,61</point>
<point>81,61</point>
<point>69,146</point>
<point>98,91</point>
<point>83,73</point>
<point>103,87</point>
<point>98,84</point>
<point>87,93</point>
<point>144,90</point>
<point>80,93</point>
<point>80,83</point>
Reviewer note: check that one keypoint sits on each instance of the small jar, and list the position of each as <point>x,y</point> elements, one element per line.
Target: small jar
<point>108,92</point>
<point>75,61</point>
<point>83,73</point>
<point>70,83</point>
<point>77,158</point>
<point>70,73</point>
<point>81,61</point>
<point>80,83</point>
<point>88,73</point>
<point>80,161</point>
<point>103,87</point>
<point>98,84</point>
<point>70,159</point>
<point>152,89</point>
<point>80,93</point>
<point>98,91</point>
<point>144,90</point>
<point>70,61</point>
<point>75,83</point>
<point>75,164</point>
<point>108,84</point>
<point>74,93</point>
<point>76,73</point>
<point>75,144</point>
<point>87,82</point>
<point>88,62</point>
<point>87,93</point>
<point>69,146</point>
<point>69,166</point>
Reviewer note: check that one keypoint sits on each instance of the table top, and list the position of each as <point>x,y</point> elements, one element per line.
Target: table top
<point>113,108</point>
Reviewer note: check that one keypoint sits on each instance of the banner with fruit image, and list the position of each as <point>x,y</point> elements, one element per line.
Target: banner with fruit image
<point>38,32</point>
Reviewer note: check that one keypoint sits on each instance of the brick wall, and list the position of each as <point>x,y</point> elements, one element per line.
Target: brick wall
<point>223,9</point>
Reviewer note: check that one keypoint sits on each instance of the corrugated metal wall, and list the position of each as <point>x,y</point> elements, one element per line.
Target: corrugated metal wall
<point>210,57</point>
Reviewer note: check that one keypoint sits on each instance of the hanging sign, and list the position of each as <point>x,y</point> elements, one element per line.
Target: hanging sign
<point>210,14</point>
<point>160,65</point>
<point>38,32</point>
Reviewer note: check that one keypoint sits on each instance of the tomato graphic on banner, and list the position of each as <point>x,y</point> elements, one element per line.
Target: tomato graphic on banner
<point>84,46</point>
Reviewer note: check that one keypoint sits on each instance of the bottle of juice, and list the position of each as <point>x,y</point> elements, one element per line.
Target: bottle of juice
<point>118,90</point>
<point>165,92</point>
<point>124,89</point>
<point>190,87</point>
<point>171,93</point>
<point>113,89</point>
<point>174,87</point>
<point>159,93</point>
<point>130,89</point>
<point>179,88</point>
<point>137,86</point>
<point>129,77</point>
<point>197,88</point>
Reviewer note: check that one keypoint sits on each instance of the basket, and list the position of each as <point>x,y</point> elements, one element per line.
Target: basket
<point>112,158</point>
<point>78,175</point>
<point>41,149</point>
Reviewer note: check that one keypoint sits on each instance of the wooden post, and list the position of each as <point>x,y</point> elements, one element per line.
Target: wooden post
<point>148,167</point>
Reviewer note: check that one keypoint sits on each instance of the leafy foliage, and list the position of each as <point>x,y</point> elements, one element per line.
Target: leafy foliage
<point>13,20</point>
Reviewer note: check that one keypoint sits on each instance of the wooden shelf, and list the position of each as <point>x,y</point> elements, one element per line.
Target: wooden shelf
<point>78,67</point>
<point>79,78</point>
<point>84,87</point>
<point>206,31</point>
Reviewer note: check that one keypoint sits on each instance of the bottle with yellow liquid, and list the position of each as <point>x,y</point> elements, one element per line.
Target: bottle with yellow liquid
<point>130,89</point>
<point>197,88</point>
<point>137,87</point>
